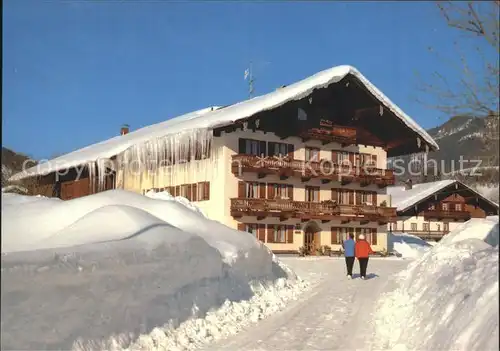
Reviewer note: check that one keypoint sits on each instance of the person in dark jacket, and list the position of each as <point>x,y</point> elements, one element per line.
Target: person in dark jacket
<point>348,246</point>
<point>363,251</point>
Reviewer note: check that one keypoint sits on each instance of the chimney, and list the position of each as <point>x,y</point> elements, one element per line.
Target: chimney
<point>408,184</point>
<point>124,129</point>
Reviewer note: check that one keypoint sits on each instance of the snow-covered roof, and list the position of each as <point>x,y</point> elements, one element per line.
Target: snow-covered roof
<point>403,199</point>
<point>217,117</point>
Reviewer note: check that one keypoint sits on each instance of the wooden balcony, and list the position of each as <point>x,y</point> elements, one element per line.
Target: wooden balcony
<point>324,211</point>
<point>427,234</point>
<point>450,215</point>
<point>331,133</point>
<point>324,169</point>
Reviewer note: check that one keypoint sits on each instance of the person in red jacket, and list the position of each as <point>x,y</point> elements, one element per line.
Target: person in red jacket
<point>363,251</point>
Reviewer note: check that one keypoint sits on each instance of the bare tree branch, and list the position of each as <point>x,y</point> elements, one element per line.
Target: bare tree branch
<point>474,88</point>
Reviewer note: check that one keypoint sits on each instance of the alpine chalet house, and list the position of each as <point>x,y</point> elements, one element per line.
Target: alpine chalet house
<point>431,210</point>
<point>304,165</point>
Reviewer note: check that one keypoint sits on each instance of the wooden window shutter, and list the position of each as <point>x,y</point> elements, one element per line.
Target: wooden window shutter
<point>241,227</point>
<point>374,199</point>
<point>334,157</point>
<point>261,232</point>
<point>241,190</point>
<point>290,191</point>
<point>335,235</point>
<point>242,146</point>
<point>374,236</point>
<point>262,190</point>
<point>262,148</point>
<point>291,150</point>
<point>270,234</point>
<point>374,161</point>
<point>177,190</point>
<point>270,191</point>
<point>289,234</point>
<point>358,197</point>
<point>335,195</point>
<point>195,192</point>
<point>351,197</point>
<point>206,192</point>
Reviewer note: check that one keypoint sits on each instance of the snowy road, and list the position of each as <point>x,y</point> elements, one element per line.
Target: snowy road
<point>334,315</point>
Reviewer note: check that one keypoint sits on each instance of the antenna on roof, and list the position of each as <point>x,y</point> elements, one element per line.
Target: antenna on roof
<point>249,74</point>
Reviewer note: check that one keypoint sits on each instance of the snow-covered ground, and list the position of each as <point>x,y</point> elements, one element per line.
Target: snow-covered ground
<point>448,298</point>
<point>124,271</point>
<point>118,269</point>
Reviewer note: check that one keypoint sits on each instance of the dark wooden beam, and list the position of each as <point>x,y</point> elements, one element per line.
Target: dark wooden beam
<point>261,175</point>
<point>261,217</point>
<point>345,221</point>
<point>305,179</point>
<point>325,220</point>
<point>325,181</point>
<point>283,177</point>
<point>364,221</point>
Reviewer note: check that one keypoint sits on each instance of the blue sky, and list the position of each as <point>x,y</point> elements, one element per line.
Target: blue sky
<point>74,71</point>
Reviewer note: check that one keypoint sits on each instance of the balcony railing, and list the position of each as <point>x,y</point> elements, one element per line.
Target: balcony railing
<point>310,210</point>
<point>323,169</point>
<point>341,134</point>
<point>427,234</point>
<point>452,215</point>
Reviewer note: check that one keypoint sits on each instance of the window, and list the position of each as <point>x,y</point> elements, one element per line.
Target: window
<point>252,190</point>
<point>414,226</point>
<point>426,227</point>
<point>203,191</point>
<point>368,160</point>
<point>251,228</point>
<point>280,191</point>
<point>252,147</point>
<point>438,227</point>
<point>312,154</point>
<point>445,207</point>
<point>277,149</point>
<point>366,198</point>
<point>343,157</point>
<point>458,207</point>
<point>446,227</point>
<point>312,194</point>
<point>432,207</point>
<point>345,197</point>
<point>279,234</point>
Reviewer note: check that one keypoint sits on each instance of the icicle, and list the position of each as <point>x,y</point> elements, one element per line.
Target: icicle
<point>257,122</point>
<point>418,142</point>
<point>426,148</point>
<point>165,158</point>
<point>310,100</point>
<point>381,110</point>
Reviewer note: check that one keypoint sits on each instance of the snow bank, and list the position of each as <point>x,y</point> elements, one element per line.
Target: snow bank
<point>165,195</point>
<point>447,299</point>
<point>482,229</point>
<point>407,245</point>
<point>119,270</point>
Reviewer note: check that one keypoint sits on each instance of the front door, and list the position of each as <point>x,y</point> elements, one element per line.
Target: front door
<point>311,242</point>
